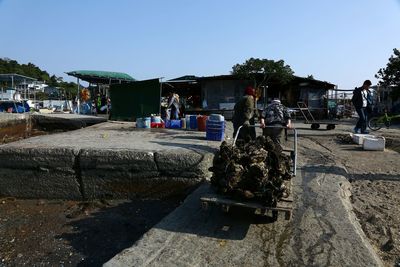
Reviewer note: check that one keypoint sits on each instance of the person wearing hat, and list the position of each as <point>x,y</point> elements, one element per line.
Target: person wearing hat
<point>244,112</point>
<point>275,114</point>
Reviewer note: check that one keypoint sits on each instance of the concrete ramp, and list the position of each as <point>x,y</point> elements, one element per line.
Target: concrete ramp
<point>323,232</point>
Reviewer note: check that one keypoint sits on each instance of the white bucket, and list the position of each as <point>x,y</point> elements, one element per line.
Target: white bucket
<point>216,117</point>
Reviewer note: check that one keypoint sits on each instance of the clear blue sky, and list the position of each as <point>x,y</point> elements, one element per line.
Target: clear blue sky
<point>342,41</point>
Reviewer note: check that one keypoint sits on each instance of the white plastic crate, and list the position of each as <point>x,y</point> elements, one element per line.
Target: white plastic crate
<point>374,143</point>
<point>358,138</point>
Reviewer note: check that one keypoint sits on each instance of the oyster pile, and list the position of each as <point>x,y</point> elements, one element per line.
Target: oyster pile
<point>252,171</point>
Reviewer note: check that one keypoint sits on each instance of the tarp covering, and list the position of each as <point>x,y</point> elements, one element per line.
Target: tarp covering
<point>135,100</point>
<point>105,77</point>
<point>16,77</point>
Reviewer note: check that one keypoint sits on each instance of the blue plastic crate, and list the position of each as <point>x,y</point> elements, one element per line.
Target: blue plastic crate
<point>215,125</point>
<point>215,135</point>
<point>173,124</point>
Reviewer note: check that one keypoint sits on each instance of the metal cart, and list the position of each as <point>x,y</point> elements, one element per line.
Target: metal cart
<point>284,206</point>
<point>309,118</point>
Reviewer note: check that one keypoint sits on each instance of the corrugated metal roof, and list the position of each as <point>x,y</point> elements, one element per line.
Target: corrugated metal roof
<point>16,77</point>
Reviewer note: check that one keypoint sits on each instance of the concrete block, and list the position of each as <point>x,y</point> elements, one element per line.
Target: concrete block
<point>40,183</point>
<point>117,159</point>
<point>37,172</point>
<point>183,163</point>
<point>36,158</point>
<point>129,173</point>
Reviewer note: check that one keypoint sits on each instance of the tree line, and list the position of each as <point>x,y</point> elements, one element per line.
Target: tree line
<point>68,89</point>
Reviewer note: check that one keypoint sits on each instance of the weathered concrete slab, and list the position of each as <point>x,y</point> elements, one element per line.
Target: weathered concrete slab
<point>117,160</point>
<point>323,231</point>
<point>326,231</point>
<point>11,117</point>
<point>183,163</point>
<point>40,172</point>
<point>192,237</point>
<point>14,126</point>
<point>63,121</point>
<point>39,184</point>
<point>111,160</point>
<point>31,157</point>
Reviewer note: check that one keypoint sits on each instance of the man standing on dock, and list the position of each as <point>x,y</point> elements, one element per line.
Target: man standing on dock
<point>360,102</point>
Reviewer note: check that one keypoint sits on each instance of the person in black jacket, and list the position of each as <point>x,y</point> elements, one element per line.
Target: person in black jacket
<point>360,102</point>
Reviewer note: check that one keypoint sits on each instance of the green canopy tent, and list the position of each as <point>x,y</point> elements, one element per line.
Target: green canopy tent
<point>100,77</point>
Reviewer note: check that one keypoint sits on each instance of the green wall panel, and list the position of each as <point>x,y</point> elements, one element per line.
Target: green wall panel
<point>134,100</point>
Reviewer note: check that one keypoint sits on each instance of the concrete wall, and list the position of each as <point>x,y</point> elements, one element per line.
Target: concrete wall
<point>14,126</point>
<point>67,173</point>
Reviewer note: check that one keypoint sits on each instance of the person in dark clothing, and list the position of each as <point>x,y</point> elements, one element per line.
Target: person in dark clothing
<point>173,105</point>
<point>244,112</point>
<point>275,115</point>
<point>360,102</point>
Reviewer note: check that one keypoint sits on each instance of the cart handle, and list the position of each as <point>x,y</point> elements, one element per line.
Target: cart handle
<point>258,125</point>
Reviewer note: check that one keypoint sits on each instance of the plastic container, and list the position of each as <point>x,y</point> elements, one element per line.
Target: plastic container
<point>216,117</point>
<point>156,119</point>
<point>187,119</point>
<point>183,123</point>
<point>173,124</point>
<point>359,138</point>
<point>157,125</point>
<point>193,122</point>
<point>146,122</point>
<point>215,130</point>
<point>201,123</point>
<point>374,143</point>
<point>139,123</point>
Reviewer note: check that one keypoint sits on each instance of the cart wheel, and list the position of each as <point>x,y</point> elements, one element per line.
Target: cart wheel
<point>263,212</point>
<point>315,126</point>
<point>330,126</point>
<point>204,205</point>
<point>274,215</point>
<point>288,215</point>
<point>225,208</point>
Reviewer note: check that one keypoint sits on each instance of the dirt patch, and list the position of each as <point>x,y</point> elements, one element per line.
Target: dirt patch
<point>375,181</point>
<point>393,142</point>
<point>68,233</point>
<point>376,204</point>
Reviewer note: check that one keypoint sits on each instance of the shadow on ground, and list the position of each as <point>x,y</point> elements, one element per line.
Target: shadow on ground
<point>217,224</point>
<point>103,234</point>
<point>350,176</point>
<point>193,147</point>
